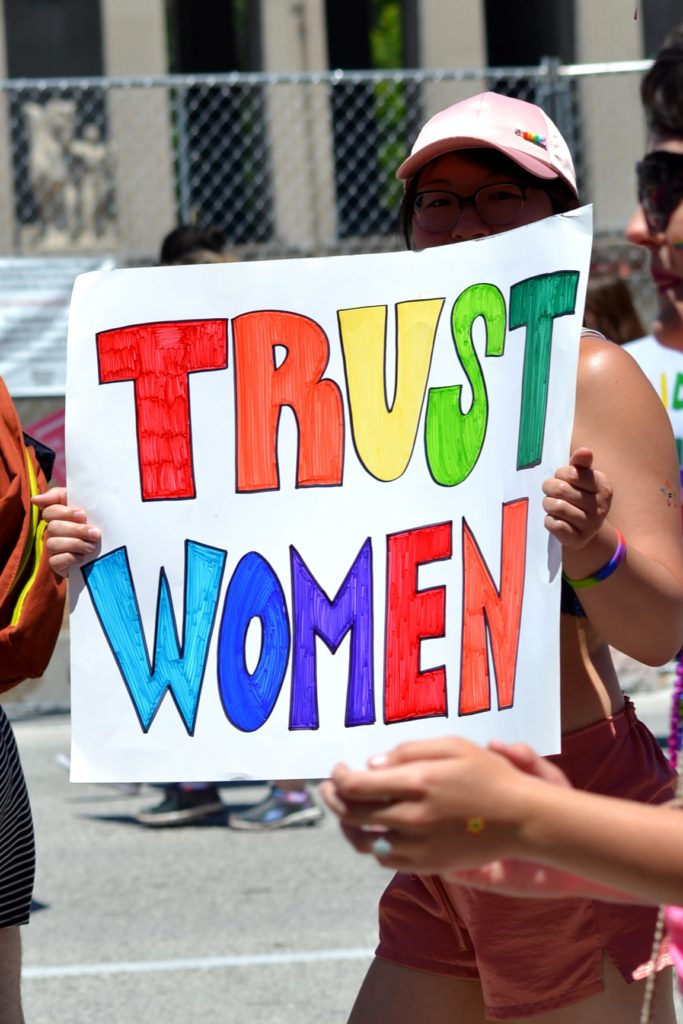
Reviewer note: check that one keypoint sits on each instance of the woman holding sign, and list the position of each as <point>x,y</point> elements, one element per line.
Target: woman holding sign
<point>447,952</point>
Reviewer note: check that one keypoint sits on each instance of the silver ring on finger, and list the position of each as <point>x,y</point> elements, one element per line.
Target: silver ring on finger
<point>382,847</point>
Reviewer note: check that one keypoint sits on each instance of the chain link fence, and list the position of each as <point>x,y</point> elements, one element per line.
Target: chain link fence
<point>283,164</point>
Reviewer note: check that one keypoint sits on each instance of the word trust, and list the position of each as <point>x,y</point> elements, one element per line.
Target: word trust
<point>159,357</point>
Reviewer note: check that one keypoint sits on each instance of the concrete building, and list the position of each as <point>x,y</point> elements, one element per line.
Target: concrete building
<point>313,132</point>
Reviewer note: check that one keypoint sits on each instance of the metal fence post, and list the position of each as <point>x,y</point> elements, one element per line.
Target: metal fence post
<point>182,155</point>
<point>556,96</point>
<point>549,85</point>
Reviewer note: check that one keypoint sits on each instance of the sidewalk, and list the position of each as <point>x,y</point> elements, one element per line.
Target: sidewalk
<point>202,922</point>
<point>194,924</point>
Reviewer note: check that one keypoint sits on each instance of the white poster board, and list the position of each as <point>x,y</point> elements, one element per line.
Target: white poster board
<point>319,489</point>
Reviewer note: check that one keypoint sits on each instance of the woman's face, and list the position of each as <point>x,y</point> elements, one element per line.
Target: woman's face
<point>462,174</point>
<point>665,247</point>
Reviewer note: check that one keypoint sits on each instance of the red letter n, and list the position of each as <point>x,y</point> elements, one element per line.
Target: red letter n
<point>262,388</point>
<point>498,611</point>
<point>158,358</point>
<point>414,615</point>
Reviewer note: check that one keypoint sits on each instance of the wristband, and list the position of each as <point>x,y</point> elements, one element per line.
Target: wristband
<point>601,574</point>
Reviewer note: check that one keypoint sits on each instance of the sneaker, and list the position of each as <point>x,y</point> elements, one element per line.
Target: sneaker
<point>279,810</point>
<point>182,807</point>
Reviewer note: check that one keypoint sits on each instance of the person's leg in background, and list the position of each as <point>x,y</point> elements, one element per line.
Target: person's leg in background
<point>10,976</point>
<point>184,803</point>
<point>289,803</point>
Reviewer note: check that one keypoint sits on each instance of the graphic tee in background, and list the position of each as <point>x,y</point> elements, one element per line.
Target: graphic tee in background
<point>664,369</point>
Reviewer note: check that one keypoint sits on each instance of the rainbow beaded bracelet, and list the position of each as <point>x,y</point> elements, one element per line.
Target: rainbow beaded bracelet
<point>601,574</point>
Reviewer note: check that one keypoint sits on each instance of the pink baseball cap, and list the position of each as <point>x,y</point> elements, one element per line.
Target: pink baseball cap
<point>520,130</point>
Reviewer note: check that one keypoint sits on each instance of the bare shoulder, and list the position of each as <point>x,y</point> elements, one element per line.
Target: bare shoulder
<point>615,400</point>
<point>608,372</point>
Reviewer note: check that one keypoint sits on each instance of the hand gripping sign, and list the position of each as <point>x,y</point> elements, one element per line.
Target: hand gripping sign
<point>319,489</point>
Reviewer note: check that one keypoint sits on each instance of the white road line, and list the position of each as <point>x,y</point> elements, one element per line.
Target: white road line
<point>197,963</point>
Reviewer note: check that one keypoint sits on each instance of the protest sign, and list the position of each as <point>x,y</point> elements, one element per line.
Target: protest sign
<point>319,488</point>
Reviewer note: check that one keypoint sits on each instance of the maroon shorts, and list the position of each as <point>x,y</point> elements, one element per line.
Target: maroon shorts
<point>531,956</point>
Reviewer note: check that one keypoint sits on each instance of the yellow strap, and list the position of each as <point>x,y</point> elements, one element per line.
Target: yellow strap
<point>34,545</point>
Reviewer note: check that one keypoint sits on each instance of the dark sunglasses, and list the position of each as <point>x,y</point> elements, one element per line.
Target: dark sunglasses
<point>660,187</point>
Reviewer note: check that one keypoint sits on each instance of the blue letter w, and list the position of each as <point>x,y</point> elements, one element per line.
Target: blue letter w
<point>176,667</point>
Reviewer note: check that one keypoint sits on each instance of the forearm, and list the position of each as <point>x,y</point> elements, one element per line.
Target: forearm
<point>622,475</point>
<point>627,846</point>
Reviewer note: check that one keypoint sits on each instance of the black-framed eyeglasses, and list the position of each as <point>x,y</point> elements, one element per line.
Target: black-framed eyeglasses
<point>660,187</point>
<point>499,205</point>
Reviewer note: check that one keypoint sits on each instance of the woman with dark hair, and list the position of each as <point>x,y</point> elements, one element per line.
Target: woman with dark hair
<point>657,224</point>
<point>449,952</point>
<point>179,245</point>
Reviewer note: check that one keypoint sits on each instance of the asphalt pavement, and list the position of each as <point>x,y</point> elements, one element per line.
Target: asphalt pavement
<point>192,924</point>
<point>199,924</point>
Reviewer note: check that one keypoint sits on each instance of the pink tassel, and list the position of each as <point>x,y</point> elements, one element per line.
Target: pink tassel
<point>676,732</point>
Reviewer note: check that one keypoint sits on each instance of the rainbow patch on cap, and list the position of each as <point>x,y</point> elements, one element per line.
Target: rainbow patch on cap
<point>538,140</point>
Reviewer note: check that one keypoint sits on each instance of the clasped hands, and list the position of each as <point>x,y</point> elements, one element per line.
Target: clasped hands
<point>422,795</point>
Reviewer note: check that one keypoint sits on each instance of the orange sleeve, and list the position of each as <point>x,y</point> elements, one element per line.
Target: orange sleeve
<point>31,596</point>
